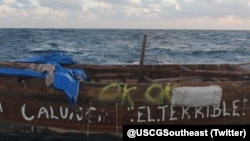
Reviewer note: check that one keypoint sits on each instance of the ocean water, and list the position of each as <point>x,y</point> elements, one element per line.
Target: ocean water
<point>123,46</point>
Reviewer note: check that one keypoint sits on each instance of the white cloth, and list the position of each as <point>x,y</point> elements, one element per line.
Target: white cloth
<point>45,68</point>
<point>196,96</point>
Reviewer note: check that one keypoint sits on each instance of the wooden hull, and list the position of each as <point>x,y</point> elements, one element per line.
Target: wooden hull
<point>111,101</point>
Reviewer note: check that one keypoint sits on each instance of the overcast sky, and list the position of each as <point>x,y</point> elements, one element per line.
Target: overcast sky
<point>135,14</point>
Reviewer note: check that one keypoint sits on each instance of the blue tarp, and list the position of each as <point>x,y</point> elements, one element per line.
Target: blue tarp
<point>64,78</point>
<point>21,72</point>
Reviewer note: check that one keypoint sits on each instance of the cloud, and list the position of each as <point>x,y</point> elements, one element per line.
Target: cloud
<point>125,13</point>
<point>23,1</point>
<point>61,4</point>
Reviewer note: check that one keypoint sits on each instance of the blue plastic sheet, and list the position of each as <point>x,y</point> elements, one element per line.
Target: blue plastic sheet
<point>21,72</point>
<point>64,79</point>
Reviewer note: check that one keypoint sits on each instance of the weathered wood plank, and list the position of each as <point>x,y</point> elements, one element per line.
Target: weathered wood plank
<point>114,98</point>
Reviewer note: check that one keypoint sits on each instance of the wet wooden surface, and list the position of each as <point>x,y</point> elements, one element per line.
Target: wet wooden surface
<point>114,98</point>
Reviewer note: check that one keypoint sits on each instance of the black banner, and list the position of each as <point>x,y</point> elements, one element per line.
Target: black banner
<point>206,132</point>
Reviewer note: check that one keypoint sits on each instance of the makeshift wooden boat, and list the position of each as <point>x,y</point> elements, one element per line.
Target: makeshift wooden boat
<point>127,94</point>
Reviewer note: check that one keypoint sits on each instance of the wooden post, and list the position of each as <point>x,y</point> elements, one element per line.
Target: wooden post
<point>142,57</point>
